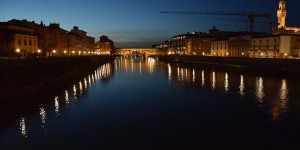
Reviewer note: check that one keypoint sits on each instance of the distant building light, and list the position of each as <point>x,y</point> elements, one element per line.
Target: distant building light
<point>73,52</point>
<point>39,51</point>
<point>227,53</point>
<point>65,52</point>
<point>54,51</point>
<point>18,50</point>
<point>203,53</point>
<point>243,54</point>
<point>261,54</point>
<point>285,54</point>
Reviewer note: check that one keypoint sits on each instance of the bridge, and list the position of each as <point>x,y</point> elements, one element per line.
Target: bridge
<point>138,51</point>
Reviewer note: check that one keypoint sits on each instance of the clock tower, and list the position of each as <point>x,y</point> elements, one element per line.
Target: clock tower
<point>281,14</point>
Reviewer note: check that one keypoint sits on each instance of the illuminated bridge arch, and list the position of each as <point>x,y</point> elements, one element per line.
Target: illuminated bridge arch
<point>136,51</point>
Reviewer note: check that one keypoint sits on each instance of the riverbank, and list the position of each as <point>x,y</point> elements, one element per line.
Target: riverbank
<point>263,64</point>
<point>31,75</point>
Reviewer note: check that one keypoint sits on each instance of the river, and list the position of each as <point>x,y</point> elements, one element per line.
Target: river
<point>143,103</point>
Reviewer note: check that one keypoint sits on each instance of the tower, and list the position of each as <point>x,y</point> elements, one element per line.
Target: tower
<point>281,14</point>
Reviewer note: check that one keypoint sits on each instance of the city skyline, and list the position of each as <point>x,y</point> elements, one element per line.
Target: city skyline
<point>140,23</point>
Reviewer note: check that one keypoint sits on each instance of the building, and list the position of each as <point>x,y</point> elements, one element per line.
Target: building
<point>57,43</point>
<point>275,46</point>
<point>239,46</point>
<point>104,46</point>
<point>16,40</point>
<point>219,48</point>
<point>195,43</point>
<point>200,45</point>
<point>232,44</point>
<point>79,43</point>
<point>281,15</point>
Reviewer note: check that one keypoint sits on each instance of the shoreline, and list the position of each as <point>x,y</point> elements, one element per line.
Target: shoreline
<point>262,64</point>
<point>41,75</point>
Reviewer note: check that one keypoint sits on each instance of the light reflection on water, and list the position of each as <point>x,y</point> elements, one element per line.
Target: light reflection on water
<point>260,89</point>
<point>103,72</point>
<point>56,103</point>
<point>213,80</point>
<point>273,94</point>
<point>278,105</point>
<point>23,128</point>
<point>242,86</point>
<point>202,78</point>
<point>67,98</point>
<point>43,116</point>
<point>226,83</point>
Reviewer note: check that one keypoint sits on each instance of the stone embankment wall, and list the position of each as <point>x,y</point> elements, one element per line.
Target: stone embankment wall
<point>282,65</point>
<point>19,76</point>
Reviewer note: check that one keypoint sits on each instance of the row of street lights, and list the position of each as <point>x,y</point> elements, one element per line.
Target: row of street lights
<point>65,52</point>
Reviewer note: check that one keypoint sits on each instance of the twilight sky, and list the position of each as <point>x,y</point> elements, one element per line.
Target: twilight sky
<point>139,22</point>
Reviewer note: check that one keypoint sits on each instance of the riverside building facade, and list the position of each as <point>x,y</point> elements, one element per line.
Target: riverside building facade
<point>24,38</point>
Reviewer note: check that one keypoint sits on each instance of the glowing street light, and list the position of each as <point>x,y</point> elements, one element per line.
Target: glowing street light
<point>54,51</point>
<point>65,52</point>
<point>243,54</point>
<point>18,50</point>
<point>39,51</point>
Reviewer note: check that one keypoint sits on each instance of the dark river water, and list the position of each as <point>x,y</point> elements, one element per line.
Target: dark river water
<point>143,103</point>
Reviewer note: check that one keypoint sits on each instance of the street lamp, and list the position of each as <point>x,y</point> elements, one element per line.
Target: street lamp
<point>39,51</point>
<point>18,50</point>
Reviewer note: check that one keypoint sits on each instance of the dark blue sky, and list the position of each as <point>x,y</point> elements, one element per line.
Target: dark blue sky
<point>140,21</point>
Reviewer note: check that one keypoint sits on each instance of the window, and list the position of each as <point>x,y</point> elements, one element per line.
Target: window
<point>275,40</point>
<point>267,40</point>
<point>19,42</point>
<point>259,41</point>
<point>25,42</point>
<point>30,43</point>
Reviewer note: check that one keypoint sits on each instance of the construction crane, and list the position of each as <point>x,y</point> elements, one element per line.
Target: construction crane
<point>250,15</point>
<point>256,22</point>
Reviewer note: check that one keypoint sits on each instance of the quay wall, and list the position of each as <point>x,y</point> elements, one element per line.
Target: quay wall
<point>266,64</point>
<point>20,76</point>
